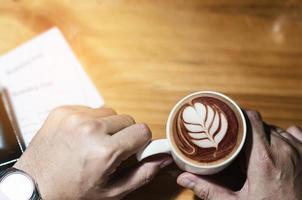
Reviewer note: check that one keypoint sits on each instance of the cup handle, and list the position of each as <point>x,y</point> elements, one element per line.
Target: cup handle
<point>154,147</point>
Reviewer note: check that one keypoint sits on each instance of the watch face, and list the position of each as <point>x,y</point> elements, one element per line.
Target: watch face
<point>17,186</point>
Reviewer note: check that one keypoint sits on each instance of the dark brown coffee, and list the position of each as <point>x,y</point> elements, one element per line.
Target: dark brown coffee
<point>206,129</point>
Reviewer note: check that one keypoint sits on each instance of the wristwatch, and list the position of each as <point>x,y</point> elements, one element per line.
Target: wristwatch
<point>16,184</point>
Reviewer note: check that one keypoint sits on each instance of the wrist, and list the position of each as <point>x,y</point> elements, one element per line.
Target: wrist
<point>33,172</point>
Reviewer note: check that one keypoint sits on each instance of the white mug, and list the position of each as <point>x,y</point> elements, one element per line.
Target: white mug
<point>165,145</point>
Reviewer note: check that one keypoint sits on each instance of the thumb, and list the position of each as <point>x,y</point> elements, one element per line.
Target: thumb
<point>204,188</point>
<point>140,175</point>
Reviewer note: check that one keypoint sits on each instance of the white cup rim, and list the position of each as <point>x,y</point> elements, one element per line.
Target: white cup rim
<point>227,161</point>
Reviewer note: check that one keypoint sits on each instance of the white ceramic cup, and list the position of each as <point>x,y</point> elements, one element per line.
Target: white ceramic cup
<point>165,145</point>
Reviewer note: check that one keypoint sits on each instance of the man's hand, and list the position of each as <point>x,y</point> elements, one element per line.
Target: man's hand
<point>78,149</point>
<point>274,160</point>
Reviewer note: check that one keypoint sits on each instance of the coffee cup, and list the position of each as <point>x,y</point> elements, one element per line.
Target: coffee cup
<point>205,132</point>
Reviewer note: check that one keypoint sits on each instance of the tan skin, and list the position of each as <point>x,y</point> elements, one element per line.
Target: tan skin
<point>274,167</point>
<point>78,149</point>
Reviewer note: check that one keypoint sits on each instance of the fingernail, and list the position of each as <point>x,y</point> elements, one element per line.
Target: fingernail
<point>187,183</point>
<point>166,163</point>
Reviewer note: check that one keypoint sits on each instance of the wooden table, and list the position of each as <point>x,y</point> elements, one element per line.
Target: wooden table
<point>145,55</point>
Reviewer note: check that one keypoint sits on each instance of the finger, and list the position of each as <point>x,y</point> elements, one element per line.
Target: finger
<point>296,132</point>
<point>286,148</point>
<point>290,138</point>
<point>138,176</point>
<point>275,128</point>
<point>131,139</point>
<point>259,137</point>
<point>204,188</point>
<point>284,135</point>
<point>115,123</point>
<point>258,150</point>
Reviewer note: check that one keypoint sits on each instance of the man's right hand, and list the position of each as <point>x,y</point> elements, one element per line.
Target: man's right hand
<point>274,160</point>
<point>78,149</point>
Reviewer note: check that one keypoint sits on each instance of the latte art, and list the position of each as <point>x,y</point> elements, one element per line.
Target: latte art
<point>206,125</point>
<point>205,129</point>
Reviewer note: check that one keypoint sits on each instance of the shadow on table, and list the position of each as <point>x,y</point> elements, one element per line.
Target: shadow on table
<point>163,187</point>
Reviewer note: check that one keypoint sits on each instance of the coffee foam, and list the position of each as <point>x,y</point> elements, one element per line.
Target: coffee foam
<point>191,113</point>
<point>206,125</point>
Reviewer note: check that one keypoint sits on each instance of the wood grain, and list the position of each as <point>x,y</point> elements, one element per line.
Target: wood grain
<point>145,55</point>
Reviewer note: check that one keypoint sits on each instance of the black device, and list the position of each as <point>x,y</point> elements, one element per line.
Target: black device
<point>11,143</point>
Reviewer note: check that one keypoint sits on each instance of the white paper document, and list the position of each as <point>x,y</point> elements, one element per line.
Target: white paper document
<point>43,74</point>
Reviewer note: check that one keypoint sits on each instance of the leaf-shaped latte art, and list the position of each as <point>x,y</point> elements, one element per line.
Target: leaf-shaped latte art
<point>206,124</point>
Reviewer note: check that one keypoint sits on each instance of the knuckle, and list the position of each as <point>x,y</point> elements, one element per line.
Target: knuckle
<point>254,114</point>
<point>148,175</point>
<point>60,110</point>
<point>128,119</point>
<point>294,128</point>
<point>109,110</point>
<point>265,162</point>
<point>92,126</point>
<point>202,193</point>
<point>75,118</point>
<point>287,149</point>
<point>144,131</point>
<point>106,152</point>
<point>113,194</point>
<point>267,167</point>
<point>99,125</point>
